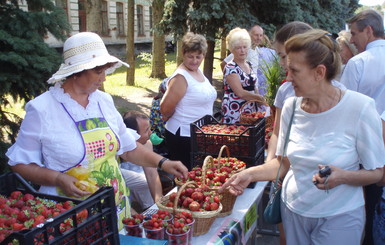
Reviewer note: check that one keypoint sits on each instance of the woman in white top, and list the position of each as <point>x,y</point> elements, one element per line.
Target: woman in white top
<point>72,134</point>
<point>334,127</point>
<point>189,97</point>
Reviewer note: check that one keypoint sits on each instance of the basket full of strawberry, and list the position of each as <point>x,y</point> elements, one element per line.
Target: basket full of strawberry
<point>203,204</point>
<point>215,172</point>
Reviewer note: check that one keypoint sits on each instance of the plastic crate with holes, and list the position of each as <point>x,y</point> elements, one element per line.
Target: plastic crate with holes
<point>245,142</point>
<point>90,221</point>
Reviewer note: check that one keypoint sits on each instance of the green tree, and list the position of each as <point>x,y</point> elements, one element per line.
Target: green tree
<point>26,62</point>
<point>329,15</point>
<point>211,18</point>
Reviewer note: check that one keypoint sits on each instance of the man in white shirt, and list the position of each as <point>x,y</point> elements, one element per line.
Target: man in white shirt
<point>365,73</point>
<point>144,182</point>
<point>258,56</point>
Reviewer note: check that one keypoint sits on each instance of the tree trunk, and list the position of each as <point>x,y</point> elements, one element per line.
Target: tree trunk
<point>130,46</point>
<point>209,60</point>
<point>158,42</point>
<point>179,54</point>
<point>94,16</point>
<point>223,48</point>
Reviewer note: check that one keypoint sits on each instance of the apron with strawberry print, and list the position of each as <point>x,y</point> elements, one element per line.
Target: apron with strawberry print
<point>99,166</point>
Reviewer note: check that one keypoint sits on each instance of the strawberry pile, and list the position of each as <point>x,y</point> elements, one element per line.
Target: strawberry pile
<point>196,199</point>
<point>215,176</point>
<point>154,228</point>
<point>132,225</point>
<point>223,129</point>
<point>178,233</point>
<point>163,215</point>
<point>25,211</point>
<point>254,115</point>
<point>186,219</point>
<point>183,217</point>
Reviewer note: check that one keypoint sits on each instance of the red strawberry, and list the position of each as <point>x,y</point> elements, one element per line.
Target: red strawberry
<point>16,195</point>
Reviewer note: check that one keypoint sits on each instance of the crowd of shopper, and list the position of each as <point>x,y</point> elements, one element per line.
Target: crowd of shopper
<point>334,91</point>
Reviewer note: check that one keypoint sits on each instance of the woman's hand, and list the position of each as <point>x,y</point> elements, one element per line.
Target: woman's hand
<point>237,183</point>
<point>325,181</point>
<point>67,184</point>
<point>175,168</point>
<point>340,176</point>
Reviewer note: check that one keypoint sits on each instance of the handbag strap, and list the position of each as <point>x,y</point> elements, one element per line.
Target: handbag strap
<point>285,145</point>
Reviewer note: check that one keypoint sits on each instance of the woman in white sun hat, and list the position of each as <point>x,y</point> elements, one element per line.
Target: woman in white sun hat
<point>71,134</point>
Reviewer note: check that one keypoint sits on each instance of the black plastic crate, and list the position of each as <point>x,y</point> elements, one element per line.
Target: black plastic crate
<point>100,226</point>
<point>247,145</point>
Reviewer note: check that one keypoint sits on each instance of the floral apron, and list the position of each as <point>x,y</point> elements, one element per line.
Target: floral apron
<point>99,166</point>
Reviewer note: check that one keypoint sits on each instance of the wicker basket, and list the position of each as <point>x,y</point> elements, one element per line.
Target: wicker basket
<point>243,119</point>
<point>224,147</point>
<point>228,199</point>
<point>203,219</point>
<point>179,183</point>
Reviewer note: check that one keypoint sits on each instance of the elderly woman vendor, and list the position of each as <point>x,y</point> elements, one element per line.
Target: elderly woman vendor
<point>72,134</point>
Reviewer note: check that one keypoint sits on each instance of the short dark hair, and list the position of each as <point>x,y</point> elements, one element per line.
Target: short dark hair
<point>291,29</point>
<point>130,119</point>
<point>192,42</point>
<point>369,17</point>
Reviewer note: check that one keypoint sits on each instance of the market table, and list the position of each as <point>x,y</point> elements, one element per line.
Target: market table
<point>237,228</point>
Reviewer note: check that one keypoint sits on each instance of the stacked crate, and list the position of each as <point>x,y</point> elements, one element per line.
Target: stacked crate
<point>248,146</point>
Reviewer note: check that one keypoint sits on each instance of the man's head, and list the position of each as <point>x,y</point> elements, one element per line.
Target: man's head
<point>256,34</point>
<point>139,122</point>
<point>366,27</point>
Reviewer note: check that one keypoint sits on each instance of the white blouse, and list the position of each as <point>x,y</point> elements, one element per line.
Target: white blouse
<point>195,104</point>
<point>49,137</point>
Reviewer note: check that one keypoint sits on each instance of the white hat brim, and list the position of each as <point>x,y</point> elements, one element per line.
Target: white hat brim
<point>67,70</point>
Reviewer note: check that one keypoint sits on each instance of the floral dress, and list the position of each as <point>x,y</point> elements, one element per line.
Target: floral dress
<point>231,103</point>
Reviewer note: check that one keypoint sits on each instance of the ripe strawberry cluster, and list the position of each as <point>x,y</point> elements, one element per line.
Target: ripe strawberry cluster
<point>215,176</point>
<point>254,114</point>
<point>196,199</point>
<point>154,227</point>
<point>25,211</point>
<point>132,225</point>
<point>180,231</point>
<point>223,129</point>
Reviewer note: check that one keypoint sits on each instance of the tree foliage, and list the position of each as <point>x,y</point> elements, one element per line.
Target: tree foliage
<point>215,18</point>
<point>329,15</point>
<point>26,62</point>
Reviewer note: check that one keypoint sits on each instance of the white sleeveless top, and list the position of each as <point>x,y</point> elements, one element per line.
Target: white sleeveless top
<point>196,103</point>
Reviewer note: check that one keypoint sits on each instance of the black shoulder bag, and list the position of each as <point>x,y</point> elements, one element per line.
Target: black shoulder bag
<point>272,212</point>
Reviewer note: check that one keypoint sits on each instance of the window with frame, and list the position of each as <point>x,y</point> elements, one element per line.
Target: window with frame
<point>150,13</point>
<point>82,16</point>
<point>139,18</point>
<point>105,30</point>
<point>120,18</point>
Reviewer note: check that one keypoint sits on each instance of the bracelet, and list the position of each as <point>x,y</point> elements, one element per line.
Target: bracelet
<point>162,161</point>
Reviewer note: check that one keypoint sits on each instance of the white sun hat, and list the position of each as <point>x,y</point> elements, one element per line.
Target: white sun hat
<point>84,51</point>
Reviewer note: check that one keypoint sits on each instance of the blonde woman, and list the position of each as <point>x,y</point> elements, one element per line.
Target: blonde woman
<point>239,79</point>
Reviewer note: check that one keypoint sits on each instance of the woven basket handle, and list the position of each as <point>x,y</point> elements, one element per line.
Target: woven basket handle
<point>208,159</point>
<point>179,193</point>
<point>221,151</point>
<point>258,102</point>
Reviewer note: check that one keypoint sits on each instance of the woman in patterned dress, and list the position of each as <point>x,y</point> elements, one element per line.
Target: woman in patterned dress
<point>239,79</point>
